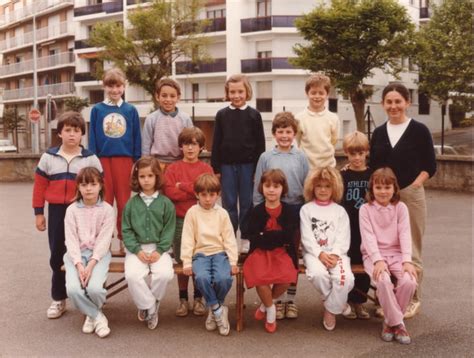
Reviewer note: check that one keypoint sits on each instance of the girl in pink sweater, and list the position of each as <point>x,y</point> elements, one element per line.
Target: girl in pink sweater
<point>89,225</point>
<point>386,250</point>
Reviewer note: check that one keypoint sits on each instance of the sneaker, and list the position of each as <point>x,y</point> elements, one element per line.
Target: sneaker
<point>412,310</point>
<point>271,327</point>
<point>350,314</point>
<point>329,320</point>
<point>183,308</point>
<point>199,308</point>
<point>222,322</point>
<point>291,310</point>
<point>387,333</point>
<point>152,319</point>
<point>56,309</point>
<point>259,315</point>
<point>101,325</point>
<point>89,325</point>
<point>379,312</point>
<point>211,321</point>
<point>361,311</point>
<point>401,334</point>
<point>142,315</point>
<point>280,310</point>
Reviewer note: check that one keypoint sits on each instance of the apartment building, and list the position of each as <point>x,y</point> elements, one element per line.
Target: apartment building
<point>47,26</point>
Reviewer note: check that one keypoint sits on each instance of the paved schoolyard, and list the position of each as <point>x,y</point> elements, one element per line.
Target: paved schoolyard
<point>444,328</point>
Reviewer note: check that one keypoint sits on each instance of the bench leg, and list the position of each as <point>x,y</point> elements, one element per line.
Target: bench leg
<point>240,301</point>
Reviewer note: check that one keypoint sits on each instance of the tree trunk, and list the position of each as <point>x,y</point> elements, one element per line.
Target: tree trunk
<point>358,104</point>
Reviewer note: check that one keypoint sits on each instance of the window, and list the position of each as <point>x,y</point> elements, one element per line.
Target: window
<point>215,14</point>
<point>333,105</point>
<point>264,54</point>
<point>264,8</point>
<point>195,92</point>
<point>423,104</point>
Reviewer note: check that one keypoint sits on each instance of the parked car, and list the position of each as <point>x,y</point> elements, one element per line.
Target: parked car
<point>6,146</point>
<point>449,150</point>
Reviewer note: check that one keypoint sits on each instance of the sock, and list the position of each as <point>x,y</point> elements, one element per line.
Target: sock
<point>216,309</point>
<point>262,307</point>
<point>290,293</point>
<point>271,313</point>
<point>183,294</point>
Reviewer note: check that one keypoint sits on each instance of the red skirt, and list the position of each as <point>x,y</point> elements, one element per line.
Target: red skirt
<point>267,267</point>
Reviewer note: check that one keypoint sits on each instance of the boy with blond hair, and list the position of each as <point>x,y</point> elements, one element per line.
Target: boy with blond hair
<point>318,128</point>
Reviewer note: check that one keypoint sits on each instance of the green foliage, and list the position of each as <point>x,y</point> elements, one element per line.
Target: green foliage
<point>11,119</point>
<point>446,52</point>
<point>349,39</point>
<point>76,104</point>
<point>146,51</point>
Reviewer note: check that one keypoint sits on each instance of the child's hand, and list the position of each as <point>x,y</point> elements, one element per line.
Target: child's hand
<point>143,256</point>
<point>234,270</point>
<point>177,185</point>
<point>327,260</point>
<point>80,272</point>
<point>188,271</point>
<point>88,271</point>
<point>40,222</point>
<point>154,256</point>
<point>410,268</point>
<point>379,268</point>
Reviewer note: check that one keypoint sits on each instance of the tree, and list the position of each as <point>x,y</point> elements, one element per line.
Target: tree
<point>76,104</point>
<point>12,121</point>
<point>159,34</point>
<point>445,55</point>
<point>351,38</point>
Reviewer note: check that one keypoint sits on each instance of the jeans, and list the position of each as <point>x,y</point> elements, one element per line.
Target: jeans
<point>212,276</point>
<point>237,183</point>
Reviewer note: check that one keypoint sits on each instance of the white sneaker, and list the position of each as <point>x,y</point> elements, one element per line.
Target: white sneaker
<point>56,309</point>
<point>222,322</point>
<point>211,324</point>
<point>152,319</point>
<point>101,325</point>
<point>89,325</point>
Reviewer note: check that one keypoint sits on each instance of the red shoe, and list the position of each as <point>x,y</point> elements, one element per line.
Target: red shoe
<point>271,327</point>
<point>259,315</point>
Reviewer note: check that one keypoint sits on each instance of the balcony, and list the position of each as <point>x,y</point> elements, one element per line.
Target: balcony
<point>81,44</point>
<point>266,64</point>
<point>214,25</point>
<point>36,8</point>
<point>217,65</point>
<point>64,29</point>
<point>266,23</point>
<point>84,76</point>
<point>107,7</point>
<point>57,89</point>
<point>60,59</point>
<point>425,13</point>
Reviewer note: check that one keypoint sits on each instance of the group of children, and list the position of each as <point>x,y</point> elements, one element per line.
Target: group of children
<point>277,199</point>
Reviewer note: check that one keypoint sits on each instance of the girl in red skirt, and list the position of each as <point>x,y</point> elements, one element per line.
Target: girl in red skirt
<point>272,263</point>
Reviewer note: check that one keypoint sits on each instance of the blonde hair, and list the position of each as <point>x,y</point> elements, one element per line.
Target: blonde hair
<point>329,174</point>
<point>355,142</point>
<point>207,183</point>
<point>318,80</point>
<point>384,176</point>
<point>236,79</point>
<point>114,76</point>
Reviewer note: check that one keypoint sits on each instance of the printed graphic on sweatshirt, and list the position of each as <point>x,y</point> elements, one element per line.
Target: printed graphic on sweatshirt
<point>114,125</point>
<point>355,193</point>
<point>321,229</point>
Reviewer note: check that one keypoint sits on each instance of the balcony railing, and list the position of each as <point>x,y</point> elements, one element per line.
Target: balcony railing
<point>218,65</point>
<point>64,28</point>
<point>425,12</point>
<point>35,8</point>
<point>214,25</point>
<point>80,44</point>
<point>84,76</point>
<point>65,58</point>
<point>56,89</point>
<point>266,64</point>
<point>266,23</point>
<point>107,7</point>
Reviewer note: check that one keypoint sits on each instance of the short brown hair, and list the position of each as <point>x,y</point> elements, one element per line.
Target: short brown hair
<point>114,76</point>
<point>397,87</point>
<point>384,176</point>
<point>355,142</point>
<point>318,80</point>
<point>89,175</point>
<point>329,174</point>
<point>275,176</point>
<point>207,183</point>
<point>284,120</point>
<point>72,119</point>
<point>189,134</point>
<point>236,79</point>
<point>166,81</point>
<point>145,162</point>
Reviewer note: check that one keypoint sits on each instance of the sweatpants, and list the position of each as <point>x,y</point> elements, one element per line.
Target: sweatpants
<point>57,247</point>
<point>334,283</point>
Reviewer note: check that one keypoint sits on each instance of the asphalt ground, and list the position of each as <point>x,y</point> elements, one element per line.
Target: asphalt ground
<point>444,328</point>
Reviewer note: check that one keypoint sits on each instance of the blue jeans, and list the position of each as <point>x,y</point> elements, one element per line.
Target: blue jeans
<point>212,276</point>
<point>237,183</point>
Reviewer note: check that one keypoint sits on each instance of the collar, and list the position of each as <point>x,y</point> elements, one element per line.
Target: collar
<point>322,203</point>
<point>80,204</point>
<point>216,207</point>
<point>171,114</point>
<point>243,108</point>
<point>389,207</point>
<point>317,114</point>
<point>275,150</point>
<point>152,196</point>
<point>108,102</point>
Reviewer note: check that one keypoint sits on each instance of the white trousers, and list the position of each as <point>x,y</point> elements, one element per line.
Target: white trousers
<point>334,284</point>
<point>136,272</point>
